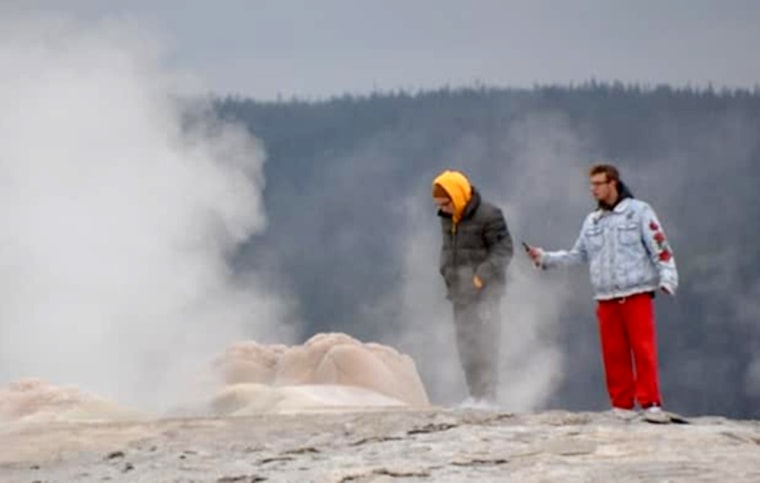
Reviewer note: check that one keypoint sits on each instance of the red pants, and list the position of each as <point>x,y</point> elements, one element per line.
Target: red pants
<point>626,329</point>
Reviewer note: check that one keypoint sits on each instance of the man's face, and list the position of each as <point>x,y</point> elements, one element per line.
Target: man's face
<point>445,205</point>
<point>601,188</point>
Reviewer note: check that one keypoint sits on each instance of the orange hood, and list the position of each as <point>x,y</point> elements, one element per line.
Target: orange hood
<point>458,187</point>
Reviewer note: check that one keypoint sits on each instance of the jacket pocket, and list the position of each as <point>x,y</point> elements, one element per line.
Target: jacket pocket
<point>594,239</point>
<point>465,288</point>
<point>628,234</point>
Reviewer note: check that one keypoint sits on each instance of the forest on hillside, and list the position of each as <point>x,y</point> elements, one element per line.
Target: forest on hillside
<point>351,232</point>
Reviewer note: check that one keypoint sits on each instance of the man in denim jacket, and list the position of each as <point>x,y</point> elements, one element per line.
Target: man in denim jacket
<point>629,260</point>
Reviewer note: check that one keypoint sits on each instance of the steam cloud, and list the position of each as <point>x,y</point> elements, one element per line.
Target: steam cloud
<point>120,206</point>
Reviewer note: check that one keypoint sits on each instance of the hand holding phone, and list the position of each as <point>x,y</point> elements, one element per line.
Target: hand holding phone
<point>534,253</point>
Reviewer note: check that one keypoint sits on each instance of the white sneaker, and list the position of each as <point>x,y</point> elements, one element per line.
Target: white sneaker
<point>624,414</point>
<point>655,414</point>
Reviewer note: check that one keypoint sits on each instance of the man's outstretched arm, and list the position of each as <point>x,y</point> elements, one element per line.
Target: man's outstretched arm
<point>576,255</point>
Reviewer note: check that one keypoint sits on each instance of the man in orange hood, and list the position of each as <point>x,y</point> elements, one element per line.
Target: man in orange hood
<point>476,251</point>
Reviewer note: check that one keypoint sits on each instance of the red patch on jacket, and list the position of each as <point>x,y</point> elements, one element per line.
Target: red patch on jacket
<point>653,226</point>
<point>665,256</point>
<point>659,237</point>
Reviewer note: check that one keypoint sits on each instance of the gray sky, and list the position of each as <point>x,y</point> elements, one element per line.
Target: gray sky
<point>318,48</point>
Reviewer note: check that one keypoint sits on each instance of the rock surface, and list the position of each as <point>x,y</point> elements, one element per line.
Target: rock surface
<point>338,410</point>
<point>441,445</point>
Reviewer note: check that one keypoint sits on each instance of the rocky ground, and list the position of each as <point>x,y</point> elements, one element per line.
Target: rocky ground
<point>446,445</point>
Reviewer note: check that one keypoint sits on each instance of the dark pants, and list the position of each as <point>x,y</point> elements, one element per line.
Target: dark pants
<point>478,329</point>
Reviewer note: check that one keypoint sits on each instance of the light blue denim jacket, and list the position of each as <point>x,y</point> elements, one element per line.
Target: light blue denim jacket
<point>627,251</point>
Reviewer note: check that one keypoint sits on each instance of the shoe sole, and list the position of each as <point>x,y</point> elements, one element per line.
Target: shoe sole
<point>665,417</point>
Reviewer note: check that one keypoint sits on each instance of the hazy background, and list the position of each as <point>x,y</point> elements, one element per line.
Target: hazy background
<point>266,48</point>
<point>146,224</point>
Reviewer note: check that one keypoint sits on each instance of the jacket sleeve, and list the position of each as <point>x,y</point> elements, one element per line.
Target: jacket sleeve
<point>659,249</point>
<point>576,255</point>
<point>498,242</point>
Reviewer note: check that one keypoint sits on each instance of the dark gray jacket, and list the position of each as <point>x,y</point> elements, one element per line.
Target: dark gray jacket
<point>480,245</point>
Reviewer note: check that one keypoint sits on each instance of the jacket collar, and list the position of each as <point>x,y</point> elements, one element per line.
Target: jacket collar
<point>472,205</point>
<point>621,207</point>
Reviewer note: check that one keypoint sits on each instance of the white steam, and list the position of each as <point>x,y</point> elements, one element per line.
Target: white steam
<point>119,207</point>
<point>550,164</point>
<point>427,327</point>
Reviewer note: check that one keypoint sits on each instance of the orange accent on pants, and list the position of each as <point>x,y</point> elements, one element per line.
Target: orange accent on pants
<point>627,333</point>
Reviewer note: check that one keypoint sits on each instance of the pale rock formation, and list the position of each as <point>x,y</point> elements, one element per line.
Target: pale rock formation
<point>329,370</point>
<point>34,401</point>
<point>249,362</point>
<point>249,399</point>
